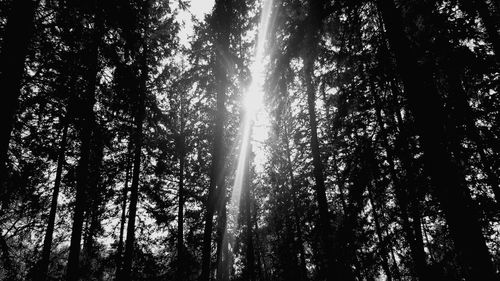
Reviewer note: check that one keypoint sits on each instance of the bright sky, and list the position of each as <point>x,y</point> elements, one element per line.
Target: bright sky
<point>199,8</point>
<point>253,101</point>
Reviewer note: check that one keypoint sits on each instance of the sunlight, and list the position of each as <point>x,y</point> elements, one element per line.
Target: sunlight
<point>252,104</point>
<point>252,100</point>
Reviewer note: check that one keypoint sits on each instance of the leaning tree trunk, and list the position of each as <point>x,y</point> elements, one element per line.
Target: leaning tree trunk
<point>15,43</point>
<point>448,182</point>
<point>47,242</point>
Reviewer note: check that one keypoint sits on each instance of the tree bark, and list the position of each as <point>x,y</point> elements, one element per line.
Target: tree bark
<point>448,182</point>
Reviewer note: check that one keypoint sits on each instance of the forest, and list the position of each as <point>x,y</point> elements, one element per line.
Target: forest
<point>259,140</point>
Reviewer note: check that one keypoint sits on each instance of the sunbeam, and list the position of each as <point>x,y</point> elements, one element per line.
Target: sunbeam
<point>252,104</point>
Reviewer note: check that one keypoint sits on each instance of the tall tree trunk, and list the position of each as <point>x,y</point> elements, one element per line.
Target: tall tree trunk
<point>250,258</point>
<point>180,213</point>
<point>315,21</point>
<point>222,273</point>
<point>123,219</point>
<point>95,201</point>
<point>295,194</point>
<point>408,204</point>
<point>216,191</point>
<point>320,189</point>
<point>261,262</point>
<point>126,274</point>
<point>86,124</point>
<point>47,242</point>
<point>384,253</point>
<point>462,115</point>
<point>448,182</point>
<point>15,43</point>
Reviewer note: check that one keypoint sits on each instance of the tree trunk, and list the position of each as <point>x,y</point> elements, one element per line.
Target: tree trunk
<point>315,21</point>
<point>295,194</point>
<point>134,188</point>
<point>408,204</point>
<point>15,43</point>
<point>123,219</point>
<point>250,258</point>
<point>448,182</point>
<point>320,189</point>
<point>261,262</point>
<point>222,241</point>
<point>384,253</point>
<point>90,267</point>
<point>216,191</point>
<point>86,125</point>
<point>47,242</point>
<point>180,214</point>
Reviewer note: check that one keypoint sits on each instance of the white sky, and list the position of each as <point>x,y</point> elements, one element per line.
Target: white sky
<point>199,8</point>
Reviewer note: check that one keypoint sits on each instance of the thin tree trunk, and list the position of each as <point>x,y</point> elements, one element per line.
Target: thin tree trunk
<point>47,242</point>
<point>18,31</point>
<point>450,188</point>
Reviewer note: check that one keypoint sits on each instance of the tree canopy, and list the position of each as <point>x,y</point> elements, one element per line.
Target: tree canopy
<point>264,140</point>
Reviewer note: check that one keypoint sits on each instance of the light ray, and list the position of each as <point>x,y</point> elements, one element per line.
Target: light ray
<point>252,104</point>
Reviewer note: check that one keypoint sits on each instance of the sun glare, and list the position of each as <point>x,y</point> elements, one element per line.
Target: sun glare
<point>252,104</point>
